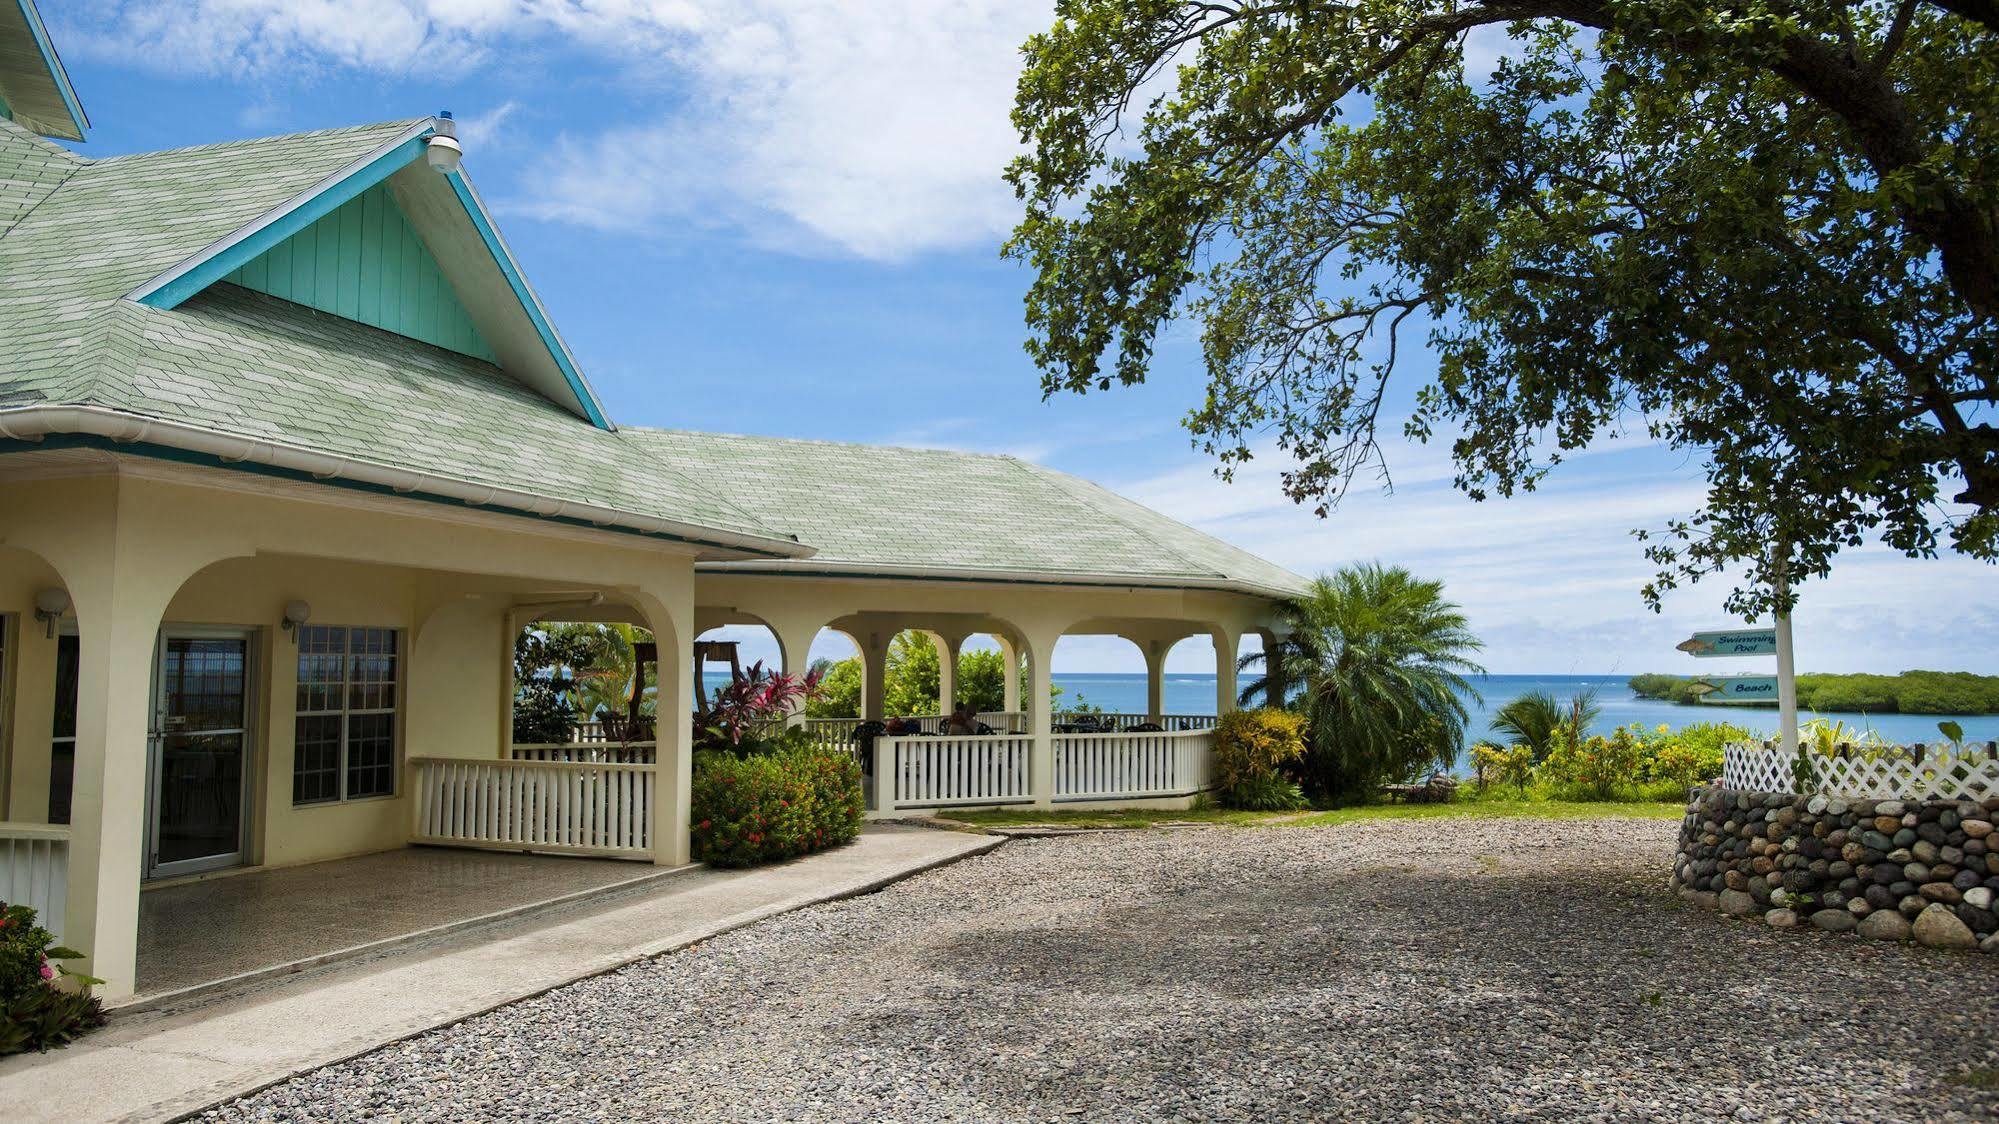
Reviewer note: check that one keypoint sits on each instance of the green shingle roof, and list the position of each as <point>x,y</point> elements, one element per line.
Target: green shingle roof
<point>77,236</point>
<point>896,509</point>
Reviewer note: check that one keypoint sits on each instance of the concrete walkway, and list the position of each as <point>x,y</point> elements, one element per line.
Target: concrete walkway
<point>165,1063</point>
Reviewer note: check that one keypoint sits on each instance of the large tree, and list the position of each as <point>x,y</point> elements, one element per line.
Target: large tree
<point>1765,232</point>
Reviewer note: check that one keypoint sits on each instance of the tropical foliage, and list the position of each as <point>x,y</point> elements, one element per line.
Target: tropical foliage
<point>1911,692</point>
<point>35,1011</point>
<point>744,710</point>
<point>547,663</point>
<point>912,681</point>
<point>1253,751</point>
<point>1631,762</point>
<point>1760,233</point>
<point>1376,660</point>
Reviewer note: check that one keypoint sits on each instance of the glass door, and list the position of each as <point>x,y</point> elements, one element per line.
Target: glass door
<point>200,744</point>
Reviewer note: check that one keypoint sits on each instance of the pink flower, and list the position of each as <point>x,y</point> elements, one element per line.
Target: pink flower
<point>48,973</point>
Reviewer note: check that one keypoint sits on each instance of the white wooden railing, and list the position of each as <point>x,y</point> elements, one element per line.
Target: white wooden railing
<point>1893,773</point>
<point>1131,766</point>
<point>600,753</point>
<point>923,771</point>
<point>936,772</point>
<point>34,871</point>
<point>1119,721</point>
<point>563,807</point>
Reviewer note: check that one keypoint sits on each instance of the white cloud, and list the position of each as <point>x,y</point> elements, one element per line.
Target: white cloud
<point>1551,579</point>
<point>876,129</point>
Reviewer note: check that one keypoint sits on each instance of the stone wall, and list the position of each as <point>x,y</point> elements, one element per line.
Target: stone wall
<point>1889,869</point>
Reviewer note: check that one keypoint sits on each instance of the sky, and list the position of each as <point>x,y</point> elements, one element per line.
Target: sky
<point>784,217</point>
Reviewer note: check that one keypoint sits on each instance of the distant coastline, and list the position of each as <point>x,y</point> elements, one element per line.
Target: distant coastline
<point>1911,692</point>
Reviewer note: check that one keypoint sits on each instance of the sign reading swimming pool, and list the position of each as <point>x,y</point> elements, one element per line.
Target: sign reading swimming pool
<point>1739,688</point>
<point>1739,642</point>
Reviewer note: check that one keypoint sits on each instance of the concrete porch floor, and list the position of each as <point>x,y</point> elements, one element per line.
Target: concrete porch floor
<point>197,933</point>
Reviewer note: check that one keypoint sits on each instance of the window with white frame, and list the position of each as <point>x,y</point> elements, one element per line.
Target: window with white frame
<point>346,735</point>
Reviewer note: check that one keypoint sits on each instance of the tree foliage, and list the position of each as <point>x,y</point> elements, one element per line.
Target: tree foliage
<point>913,681</point>
<point>547,661</point>
<point>1380,658</point>
<point>1765,233</point>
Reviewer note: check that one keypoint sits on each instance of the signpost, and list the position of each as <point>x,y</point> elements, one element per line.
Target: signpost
<point>1773,641</point>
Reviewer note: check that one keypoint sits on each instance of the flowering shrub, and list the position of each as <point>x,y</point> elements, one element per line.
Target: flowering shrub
<point>750,704</point>
<point>1513,764</point>
<point>771,806</point>
<point>1251,749</point>
<point>35,1013</point>
<point>1594,768</point>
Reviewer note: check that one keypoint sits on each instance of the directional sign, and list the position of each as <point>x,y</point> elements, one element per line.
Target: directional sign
<point>1740,642</point>
<point>1739,688</point>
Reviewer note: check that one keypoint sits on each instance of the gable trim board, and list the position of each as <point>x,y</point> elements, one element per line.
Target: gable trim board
<point>58,75</point>
<point>35,425</point>
<point>225,256</point>
<point>219,259</point>
<point>475,209</point>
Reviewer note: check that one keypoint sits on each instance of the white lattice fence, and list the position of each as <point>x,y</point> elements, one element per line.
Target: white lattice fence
<point>1969,774</point>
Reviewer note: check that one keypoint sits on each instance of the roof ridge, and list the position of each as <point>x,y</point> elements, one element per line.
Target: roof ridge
<point>77,164</point>
<point>823,442</point>
<point>217,146</point>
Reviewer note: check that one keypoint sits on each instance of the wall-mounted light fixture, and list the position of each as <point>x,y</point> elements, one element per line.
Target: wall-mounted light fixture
<point>296,613</point>
<point>50,605</point>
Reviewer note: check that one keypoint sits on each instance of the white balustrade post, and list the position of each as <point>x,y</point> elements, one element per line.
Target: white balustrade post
<point>885,764</point>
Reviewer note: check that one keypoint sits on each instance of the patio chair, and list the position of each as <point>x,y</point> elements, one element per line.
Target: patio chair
<point>1145,728</point>
<point>863,737</point>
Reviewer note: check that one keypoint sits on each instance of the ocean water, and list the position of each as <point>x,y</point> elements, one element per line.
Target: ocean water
<point>1195,694</point>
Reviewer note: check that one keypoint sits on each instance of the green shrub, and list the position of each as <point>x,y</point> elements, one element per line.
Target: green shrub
<point>1513,765</point>
<point>1252,748</point>
<point>771,806</point>
<point>36,1013</point>
<point>1594,768</point>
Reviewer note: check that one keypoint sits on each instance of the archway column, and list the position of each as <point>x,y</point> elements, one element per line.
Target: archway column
<point>949,645</point>
<point>669,613</point>
<point>121,564</point>
<point>1040,651</point>
<point>795,636</point>
<point>1227,640</point>
<point>874,673</point>
<point>1010,656</point>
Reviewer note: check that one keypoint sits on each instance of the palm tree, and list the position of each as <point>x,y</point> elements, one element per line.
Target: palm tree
<point>1538,719</point>
<point>1377,659</point>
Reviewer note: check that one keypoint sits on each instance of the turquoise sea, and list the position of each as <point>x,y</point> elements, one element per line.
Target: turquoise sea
<point>1195,694</point>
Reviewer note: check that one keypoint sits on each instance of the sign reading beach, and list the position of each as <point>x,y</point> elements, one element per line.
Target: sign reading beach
<point>1738,688</point>
<point>1738,642</point>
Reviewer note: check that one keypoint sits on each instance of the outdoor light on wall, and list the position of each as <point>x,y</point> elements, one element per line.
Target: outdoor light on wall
<point>296,613</point>
<point>50,605</point>
<point>444,151</point>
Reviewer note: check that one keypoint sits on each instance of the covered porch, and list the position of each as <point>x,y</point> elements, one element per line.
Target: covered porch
<point>198,934</point>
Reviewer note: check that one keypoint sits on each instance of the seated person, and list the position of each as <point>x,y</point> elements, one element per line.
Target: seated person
<point>963,721</point>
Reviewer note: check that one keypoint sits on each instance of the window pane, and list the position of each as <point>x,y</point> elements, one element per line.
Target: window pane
<point>66,652</point>
<point>371,755</point>
<point>316,759</point>
<point>322,663</point>
<point>371,675</point>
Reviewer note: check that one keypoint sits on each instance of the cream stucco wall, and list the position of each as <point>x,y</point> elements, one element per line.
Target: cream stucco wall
<point>137,544</point>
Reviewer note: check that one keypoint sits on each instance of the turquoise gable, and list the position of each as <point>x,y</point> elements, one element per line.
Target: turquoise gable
<point>363,262</point>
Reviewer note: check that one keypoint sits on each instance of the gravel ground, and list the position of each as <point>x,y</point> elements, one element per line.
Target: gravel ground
<point>1418,970</point>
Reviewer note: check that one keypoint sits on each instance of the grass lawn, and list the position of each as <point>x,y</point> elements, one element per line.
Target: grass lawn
<point>1461,809</point>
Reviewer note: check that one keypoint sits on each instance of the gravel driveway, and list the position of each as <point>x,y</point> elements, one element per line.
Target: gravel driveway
<point>1422,970</point>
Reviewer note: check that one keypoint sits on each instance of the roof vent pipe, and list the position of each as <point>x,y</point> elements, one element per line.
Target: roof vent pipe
<point>443,152</point>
